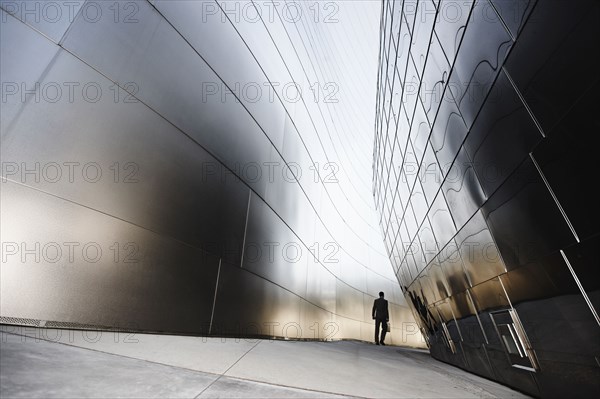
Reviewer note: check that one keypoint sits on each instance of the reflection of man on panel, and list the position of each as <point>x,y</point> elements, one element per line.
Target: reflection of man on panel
<point>381,317</point>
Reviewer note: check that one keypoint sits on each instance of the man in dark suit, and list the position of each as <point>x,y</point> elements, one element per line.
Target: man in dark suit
<point>381,316</point>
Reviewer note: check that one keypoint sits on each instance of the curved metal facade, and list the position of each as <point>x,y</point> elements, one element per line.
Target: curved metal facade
<point>192,167</point>
<point>483,179</point>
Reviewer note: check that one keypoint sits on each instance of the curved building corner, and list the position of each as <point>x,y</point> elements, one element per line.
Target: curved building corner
<point>191,167</point>
<point>484,170</point>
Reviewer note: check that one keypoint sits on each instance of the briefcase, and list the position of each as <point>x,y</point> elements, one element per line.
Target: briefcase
<point>387,327</point>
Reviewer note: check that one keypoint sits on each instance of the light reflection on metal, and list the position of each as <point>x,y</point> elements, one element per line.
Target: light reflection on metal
<point>216,249</point>
<point>481,157</point>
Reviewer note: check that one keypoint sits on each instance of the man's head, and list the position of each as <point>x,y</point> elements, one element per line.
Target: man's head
<point>380,294</point>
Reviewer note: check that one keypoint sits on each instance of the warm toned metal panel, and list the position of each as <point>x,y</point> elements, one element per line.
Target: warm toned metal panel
<point>69,263</point>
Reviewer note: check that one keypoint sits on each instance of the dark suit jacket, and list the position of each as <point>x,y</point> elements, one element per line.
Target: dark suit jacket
<point>380,309</point>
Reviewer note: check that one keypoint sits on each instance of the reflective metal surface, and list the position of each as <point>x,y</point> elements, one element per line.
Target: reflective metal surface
<point>194,167</point>
<point>497,233</point>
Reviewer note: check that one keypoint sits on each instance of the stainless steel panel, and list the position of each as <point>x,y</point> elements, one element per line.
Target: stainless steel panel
<point>490,295</point>
<point>435,77</point>
<point>569,33</point>
<point>245,76</point>
<point>514,218</point>
<point>349,301</point>
<point>429,246</point>
<point>430,175</point>
<point>482,52</point>
<point>66,262</point>
<point>439,282</point>
<point>544,278</point>
<point>451,27</point>
<point>421,37</point>
<point>418,202</point>
<point>449,131</point>
<point>320,286</point>
<point>53,18</point>
<point>315,323</point>
<point>411,223</point>
<point>478,251</point>
<point>427,290</point>
<point>580,256</point>
<point>452,265</point>
<point>462,190</point>
<point>343,326</point>
<point>351,272</point>
<point>404,42</point>
<point>247,304</point>
<point>182,97</point>
<point>272,251</point>
<point>195,155</point>
<point>410,95</point>
<point>19,73</point>
<point>514,13</point>
<point>524,219</point>
<point>116,157</point>
<point>441,221</point>
<point>420,131</point>
<point>502,136</point>
<point>567,153</point>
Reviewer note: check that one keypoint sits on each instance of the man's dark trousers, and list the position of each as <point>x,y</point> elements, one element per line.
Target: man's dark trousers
<point>383,324</point>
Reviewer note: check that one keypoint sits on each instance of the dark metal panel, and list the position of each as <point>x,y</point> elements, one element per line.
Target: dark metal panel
<point>514,13</point>
<point>524,219</point>
<point>482,52</point>
<point>543,69</point>
<point>490,295</point>
<point>477,360</point>
<point>521,379</point>
<point>502,136</point>
<point>582,256</point>
<point>543,278</point>
<point>568,163</point>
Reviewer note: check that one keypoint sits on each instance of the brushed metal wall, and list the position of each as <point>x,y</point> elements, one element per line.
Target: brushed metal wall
<point>483,172</point>
<point>192,167</point>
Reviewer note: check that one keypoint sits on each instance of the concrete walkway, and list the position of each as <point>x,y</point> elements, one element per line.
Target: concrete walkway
<point>72,363</point>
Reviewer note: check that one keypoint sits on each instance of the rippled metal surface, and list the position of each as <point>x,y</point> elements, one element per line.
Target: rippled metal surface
<point>494,234</point>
